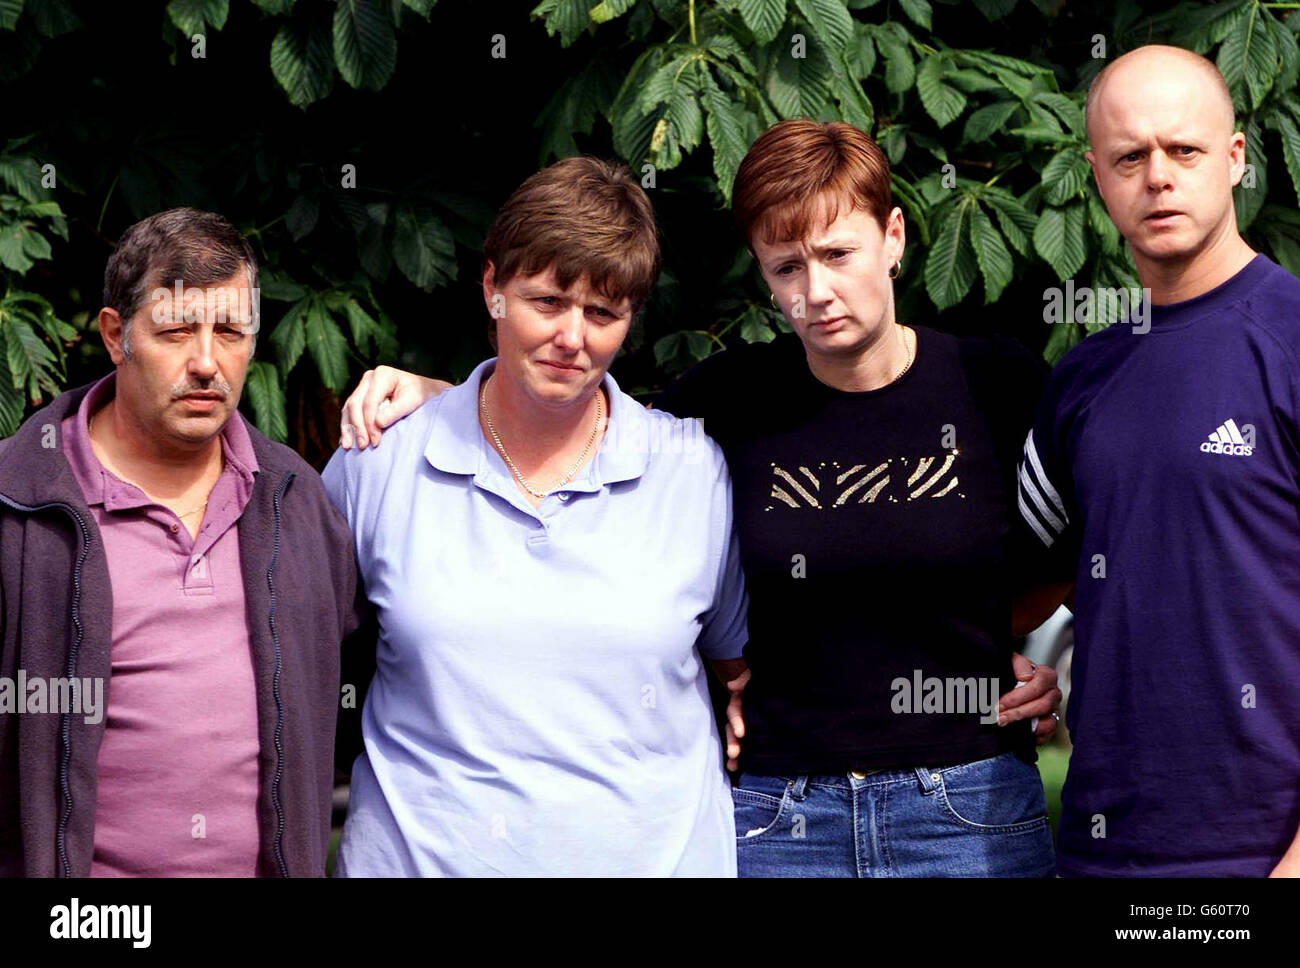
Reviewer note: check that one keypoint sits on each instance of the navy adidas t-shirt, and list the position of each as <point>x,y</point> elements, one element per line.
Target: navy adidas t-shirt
<point>1163,473</point>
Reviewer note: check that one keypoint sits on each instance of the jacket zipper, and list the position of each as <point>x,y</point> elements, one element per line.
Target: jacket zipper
<point>278,843</point>
<point>65,721</point>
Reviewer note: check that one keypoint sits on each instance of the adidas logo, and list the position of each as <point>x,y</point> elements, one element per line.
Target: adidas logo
<point>1229,440</point>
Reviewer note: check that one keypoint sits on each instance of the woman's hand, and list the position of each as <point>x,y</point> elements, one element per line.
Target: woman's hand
<point>734,673</point>
<point>384,396</point>
<point>1036,697</point>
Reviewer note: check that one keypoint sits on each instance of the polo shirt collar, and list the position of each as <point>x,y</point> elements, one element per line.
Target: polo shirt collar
<point>456,444</point>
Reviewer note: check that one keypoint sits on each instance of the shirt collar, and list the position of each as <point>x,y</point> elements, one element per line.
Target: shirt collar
<point>456,444</point>
<point>101,486</point>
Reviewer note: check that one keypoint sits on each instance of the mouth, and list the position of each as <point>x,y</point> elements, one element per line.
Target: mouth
<point>1162,216</point>
<point>560,367</point>
<point>828,321</point>
<point>203,401</point>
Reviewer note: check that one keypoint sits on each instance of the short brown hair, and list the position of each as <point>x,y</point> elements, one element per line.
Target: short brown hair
<point>794,163</point>
<point>581,217</point>
<point>198,248</point>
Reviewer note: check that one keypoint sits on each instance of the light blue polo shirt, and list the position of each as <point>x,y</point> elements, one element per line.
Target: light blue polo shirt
<point>541,704</point>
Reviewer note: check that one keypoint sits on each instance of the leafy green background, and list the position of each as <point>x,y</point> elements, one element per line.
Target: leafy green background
<point>108,116</point>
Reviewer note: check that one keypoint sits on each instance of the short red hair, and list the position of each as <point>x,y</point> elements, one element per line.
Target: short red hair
<point>795,164</point>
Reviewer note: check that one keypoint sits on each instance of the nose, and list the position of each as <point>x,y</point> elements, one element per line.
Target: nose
<point>570,329</point>
<point>819,284</point>
<point>1158,172</point>
<point>202,363</point>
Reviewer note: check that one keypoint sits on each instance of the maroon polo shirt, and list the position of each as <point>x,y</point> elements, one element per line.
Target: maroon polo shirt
<point>177,770</point>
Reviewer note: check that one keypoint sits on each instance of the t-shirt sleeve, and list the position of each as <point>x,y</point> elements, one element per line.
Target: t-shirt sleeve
<point>724,629</point>
<point>1048,523</point>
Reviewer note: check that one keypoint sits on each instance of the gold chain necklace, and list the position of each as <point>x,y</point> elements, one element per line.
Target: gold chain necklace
<point>501,448</point>
<point>90,432</point>
<point>911,355</point>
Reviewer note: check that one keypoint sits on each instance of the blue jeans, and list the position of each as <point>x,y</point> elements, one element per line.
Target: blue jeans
<point>982,819</point>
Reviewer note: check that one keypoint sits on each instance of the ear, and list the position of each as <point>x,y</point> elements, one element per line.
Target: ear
<point>1237,157</point>
<point>896,235</point>
<point>110,331</point>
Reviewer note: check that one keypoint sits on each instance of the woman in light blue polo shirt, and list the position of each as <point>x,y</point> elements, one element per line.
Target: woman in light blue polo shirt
<point>550,563</point>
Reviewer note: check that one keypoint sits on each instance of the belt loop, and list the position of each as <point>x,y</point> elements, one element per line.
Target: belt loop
<point>928,778</point>
<point>799,789</point>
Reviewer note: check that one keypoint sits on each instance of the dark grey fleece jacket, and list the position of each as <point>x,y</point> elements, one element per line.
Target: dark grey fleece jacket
<point>303,600</point>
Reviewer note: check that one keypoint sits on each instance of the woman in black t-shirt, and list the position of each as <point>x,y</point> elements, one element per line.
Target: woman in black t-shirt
<point>873,467</point>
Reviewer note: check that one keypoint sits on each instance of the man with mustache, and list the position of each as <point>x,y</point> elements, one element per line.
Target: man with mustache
<point>152,539</point>
<point>1162,472</point>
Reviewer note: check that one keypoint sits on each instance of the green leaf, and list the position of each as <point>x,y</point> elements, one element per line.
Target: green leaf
<point>10,11</point>
<point>992,255</point>
<point>862,53</point>
<point>1065,176</point>
<point>289,336</point>
<point>1063,338</point>
<point>800,86</point>
<point>1247,201</point>
<point>192,16</point>
<point>995,9</point>
<point>1290,133</point>
<point>31,361</point>
<point>365,47</point>
<point>12,402</point>
<point>726,126</point>
<point>365,331</point>
<point>942,102</point>
<point>1069,111</point>
<point>423,249</point>
<point>23,175</point>
<point>918,11</point>
<point>1280,227</point>
<point>1059,239</point>
<point>855,107</point>
<point>574,109</point>
<point>972,82</point>
<point>301,217</point>
<point>53,18</point>
<point>950,266</point>
<point>608,10</point>
<point>982,123</point>
<point>763,18</point>
<point>1102,226</point>
<point>568,18</point>
<point>1248,59</point>
<point>755,325</point>
<point>13,250</point>
<point>302,61</point>
<point>422,7</point>
<point>266,397</point>
<point>893,41</point>
<point>326,344</point>
<point>829,20</point>
<point>1289,53</point>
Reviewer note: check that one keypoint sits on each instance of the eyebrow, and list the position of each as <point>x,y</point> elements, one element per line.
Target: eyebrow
<point>535,290</point>
<point>1181,138</point>
<point>222,319</point>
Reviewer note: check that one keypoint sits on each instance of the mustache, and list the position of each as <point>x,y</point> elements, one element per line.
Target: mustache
<point>216,385</point>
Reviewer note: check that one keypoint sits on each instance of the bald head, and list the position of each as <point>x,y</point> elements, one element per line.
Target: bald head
<point>1156,69</point>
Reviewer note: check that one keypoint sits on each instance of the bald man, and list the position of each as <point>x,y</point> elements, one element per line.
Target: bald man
<point>1162,475</point>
